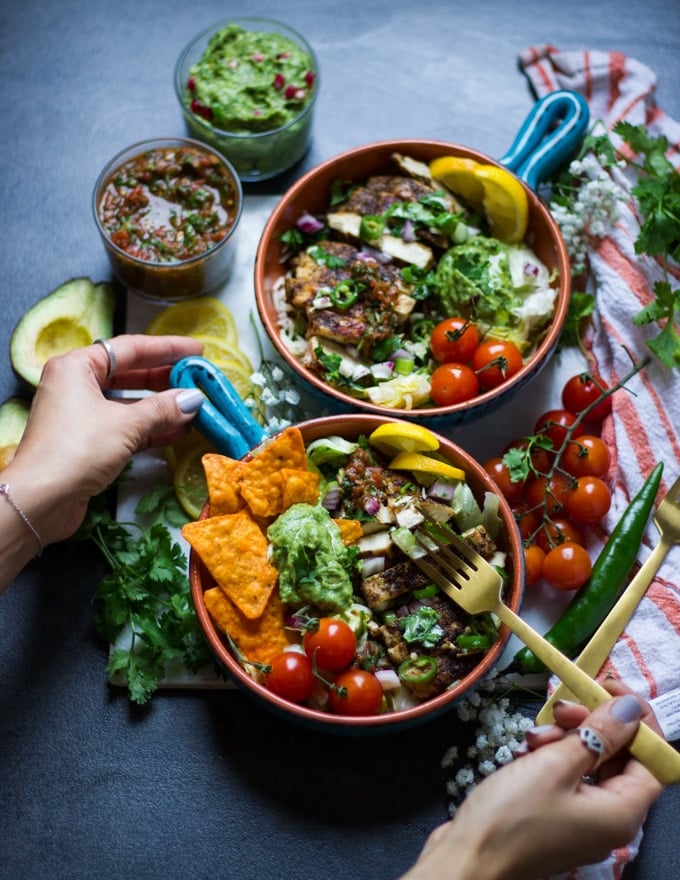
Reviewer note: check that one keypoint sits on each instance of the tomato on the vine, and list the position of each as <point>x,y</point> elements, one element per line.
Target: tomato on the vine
<point>495,361</point>
<point>547,492</point>
<point>291,676</point>
<point>533,564</point>
<point>554,424</point>
<point>512,490</point>
<point>453,383</point>
<point>586,456</point>
<point>588,501</point>
<point>355,692</point>
<point>454,339</point>
<point>567,566</point>
<point>557,530</point>
<point>581,391</point>
<point>527,521</point>
<point>333,645</point>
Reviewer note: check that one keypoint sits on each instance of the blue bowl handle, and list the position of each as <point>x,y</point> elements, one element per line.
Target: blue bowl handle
<point>223,417</point>
<point>550,136</point>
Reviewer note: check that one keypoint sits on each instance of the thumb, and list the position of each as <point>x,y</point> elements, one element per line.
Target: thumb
<point>166,412</point>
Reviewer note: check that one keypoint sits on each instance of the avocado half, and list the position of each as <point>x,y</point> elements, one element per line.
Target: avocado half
<point>75,314</point>
<point>13,417</point>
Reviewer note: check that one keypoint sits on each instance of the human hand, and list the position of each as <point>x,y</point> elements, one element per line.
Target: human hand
<point>537,816</point>
<point>77,440</point>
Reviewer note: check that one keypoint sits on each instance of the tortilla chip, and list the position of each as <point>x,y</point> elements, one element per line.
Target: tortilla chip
<point>350,530</point>
<point>260,484</point>
<point>258,640</point>
<point>298,487</point>
<point>221,474</point>
<point>234,550</point>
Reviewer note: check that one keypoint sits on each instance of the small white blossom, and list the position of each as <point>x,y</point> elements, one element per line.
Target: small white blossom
<point>504,755</point>
<point>486,768</point>
<point>465,776</point>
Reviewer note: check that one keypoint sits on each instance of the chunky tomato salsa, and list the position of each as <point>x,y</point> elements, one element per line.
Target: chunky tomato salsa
<point>168,204</point>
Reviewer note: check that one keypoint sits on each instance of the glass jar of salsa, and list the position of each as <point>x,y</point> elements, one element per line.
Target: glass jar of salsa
<point>167,210</point>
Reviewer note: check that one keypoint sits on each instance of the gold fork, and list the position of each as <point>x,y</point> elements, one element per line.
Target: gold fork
<point>594,655</point>
<point>476,586</point>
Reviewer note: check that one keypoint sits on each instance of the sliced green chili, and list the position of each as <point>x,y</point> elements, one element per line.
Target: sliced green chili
<point>473,642</point>
<point>344,294</point>
<point>418,670</point>
<point>371,228</point>
<point>426,592</point>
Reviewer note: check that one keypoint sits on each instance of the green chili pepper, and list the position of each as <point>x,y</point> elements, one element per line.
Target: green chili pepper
<point>418,670</point>
<point>344,294</point>
<point>609,575</point>
<point>371,228</point>
<point>473,642</point>
<point>426,592</point>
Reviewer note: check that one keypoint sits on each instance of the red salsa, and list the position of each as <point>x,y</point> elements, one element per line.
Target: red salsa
<point>168,204</point>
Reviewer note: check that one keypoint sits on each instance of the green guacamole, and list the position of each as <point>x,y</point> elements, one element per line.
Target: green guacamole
<point>311,558</point>
<point>250,81</point>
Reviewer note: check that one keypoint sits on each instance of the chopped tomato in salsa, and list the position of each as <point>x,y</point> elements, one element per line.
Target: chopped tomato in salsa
<point>169,204</point>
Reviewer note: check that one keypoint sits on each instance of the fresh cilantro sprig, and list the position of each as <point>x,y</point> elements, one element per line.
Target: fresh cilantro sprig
<point>145,593</point>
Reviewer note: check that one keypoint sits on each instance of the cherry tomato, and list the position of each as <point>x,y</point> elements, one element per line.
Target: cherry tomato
<point>550,493</point>
<point>554,424</point>
<point>453,383</point>
<point>588,501</point>
<point>567,566</point>
<point>333,645</point>
<point>558,530</point>
<point>527,521</point>
<point>586,456</point>
<point>498,471</point>
<point>291,676</point>
<point>582,390</point>
<point>495,361</point>
<point>533,564</point>
<point>454,339</point>
<point>362,693</point>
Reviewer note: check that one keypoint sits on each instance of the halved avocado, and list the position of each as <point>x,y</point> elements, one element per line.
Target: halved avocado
<point>13,418</point>
<point>73,315</point>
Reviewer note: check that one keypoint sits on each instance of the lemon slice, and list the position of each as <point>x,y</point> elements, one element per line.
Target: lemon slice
<point>392,438</point>
<point>424,464</point>
<point>506,205</point>
<point>191,487</point>
<point>459,175</point>
<point>175,452</point>
<point>206,316</point>
<point>215,349</point>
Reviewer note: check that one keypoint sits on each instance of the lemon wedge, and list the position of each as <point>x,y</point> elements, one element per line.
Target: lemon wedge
<point>459,175</point>
<point>191,487</point>
<point>392,438</point>
<point>424,464</point>
<point>231,360</point>
<point>506,205</point>
<point>206,316</point>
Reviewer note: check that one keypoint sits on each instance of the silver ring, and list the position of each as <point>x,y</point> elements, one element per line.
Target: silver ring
<point>111,355</point>
<point>590,739</point>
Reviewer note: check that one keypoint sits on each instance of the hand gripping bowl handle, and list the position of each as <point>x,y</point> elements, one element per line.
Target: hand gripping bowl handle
<point>549,137</point>
<point>223,418</point>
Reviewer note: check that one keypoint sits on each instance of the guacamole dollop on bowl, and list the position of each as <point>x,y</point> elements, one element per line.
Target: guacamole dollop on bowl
<point>312,559</point>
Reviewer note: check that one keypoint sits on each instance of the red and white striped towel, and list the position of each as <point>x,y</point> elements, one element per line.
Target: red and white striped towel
<point>645,425</point>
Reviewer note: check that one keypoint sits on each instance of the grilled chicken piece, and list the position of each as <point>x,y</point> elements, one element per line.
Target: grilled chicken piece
<point>309,276</point>
<point>348,223</point>
<point>481,541</point>
<point>383,590</point>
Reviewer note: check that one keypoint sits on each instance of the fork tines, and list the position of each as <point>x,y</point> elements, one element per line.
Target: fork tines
<point>447,557</point>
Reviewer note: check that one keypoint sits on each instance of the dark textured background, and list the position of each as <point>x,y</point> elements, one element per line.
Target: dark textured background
<point>206,784</point>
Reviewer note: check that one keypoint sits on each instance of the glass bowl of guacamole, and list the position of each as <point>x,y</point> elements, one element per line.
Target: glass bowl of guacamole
<point>167,210</point>
<point>248,87</point>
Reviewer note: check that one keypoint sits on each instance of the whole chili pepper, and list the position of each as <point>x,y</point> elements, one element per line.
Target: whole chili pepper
<point>595,598</point>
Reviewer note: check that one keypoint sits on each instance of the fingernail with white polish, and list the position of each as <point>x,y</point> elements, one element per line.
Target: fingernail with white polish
<point>190,400</point>
<point>626,708</point>
<point>538,729</point>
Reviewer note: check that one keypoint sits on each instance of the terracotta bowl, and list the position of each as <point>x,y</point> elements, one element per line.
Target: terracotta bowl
<point>351,427</point>
<point>310,193</point>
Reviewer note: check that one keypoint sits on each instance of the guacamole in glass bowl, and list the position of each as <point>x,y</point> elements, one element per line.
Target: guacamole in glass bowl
<point>248,86</point>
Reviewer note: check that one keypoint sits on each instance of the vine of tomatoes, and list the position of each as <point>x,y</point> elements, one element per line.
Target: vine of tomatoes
<point>555,481</point>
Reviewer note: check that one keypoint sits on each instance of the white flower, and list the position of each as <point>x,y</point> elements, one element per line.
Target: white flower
<point>504,755</point>
<point>486,768</point>
<point>465,776</point>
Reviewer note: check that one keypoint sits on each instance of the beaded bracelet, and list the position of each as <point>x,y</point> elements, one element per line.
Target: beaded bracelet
<point>4,490</point>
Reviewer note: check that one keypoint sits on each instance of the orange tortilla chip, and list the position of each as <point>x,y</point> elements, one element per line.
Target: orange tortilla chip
<point>299,487</point>
<point>258,640</point>
<point>234,550</point>
<point>221,474</point>
<point>350,530</point>
<point>260,482</point>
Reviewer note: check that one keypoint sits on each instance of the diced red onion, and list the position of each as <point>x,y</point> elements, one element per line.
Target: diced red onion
<point>531,269</point>
<point>408,232</point>
<point>331,499</point>
<point>372,565</point>
<point>371,506</point>
<point>369,253</point>
<point>388,678</point>
<point>383,370</point>
<point>308,223</point>
<point>441,491</point>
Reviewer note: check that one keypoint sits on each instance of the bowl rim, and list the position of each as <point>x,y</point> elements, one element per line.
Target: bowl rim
<point>140,147</point>
<point>496,396</point>
<point>254,135</point>
<point>364,423</point>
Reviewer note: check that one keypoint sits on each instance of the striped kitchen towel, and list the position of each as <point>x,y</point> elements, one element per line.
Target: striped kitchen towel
<point>644,427</point>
